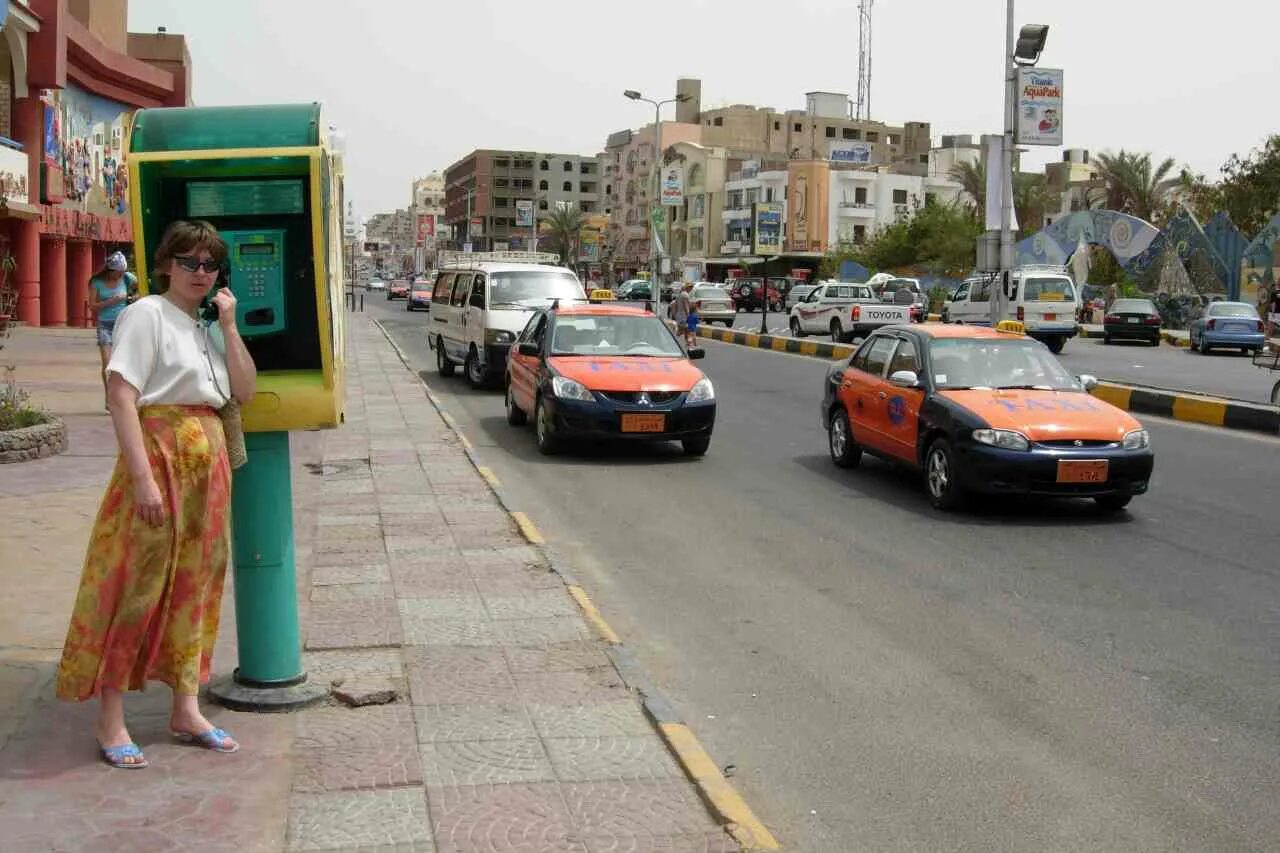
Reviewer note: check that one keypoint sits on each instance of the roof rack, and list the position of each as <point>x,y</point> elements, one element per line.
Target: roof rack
<point>1042,268</point>
<point>452,258</point>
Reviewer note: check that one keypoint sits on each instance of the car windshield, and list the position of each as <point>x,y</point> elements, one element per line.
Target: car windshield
<point>533,286</point>
<point>1232,309</point>
<point>997,363</point>
<point>708,293</point>
<point>421,287</point>
<point>1134,306</point>
<point>614,335</point>
<point>1048,290</point>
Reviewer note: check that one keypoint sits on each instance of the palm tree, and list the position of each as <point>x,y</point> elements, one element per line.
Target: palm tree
<point>564,227</point>
<point>1132,185</point>
<point>1030,197</point>
<point>973,178</point>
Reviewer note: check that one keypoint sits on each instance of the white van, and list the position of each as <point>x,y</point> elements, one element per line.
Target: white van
<point>479,306</point>
<point>1043,299</point>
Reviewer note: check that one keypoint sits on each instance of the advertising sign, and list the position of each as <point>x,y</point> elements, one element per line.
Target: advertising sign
<point>673,185</point>
<point>1039,106</point>
<point>524,213</point>
<point>426,227</point>
<point>768,228</point>
<point>807,214</point>
<point>850,152</point>
<point>84,151</point>
<point>477,226</point>
<point>13,175</point>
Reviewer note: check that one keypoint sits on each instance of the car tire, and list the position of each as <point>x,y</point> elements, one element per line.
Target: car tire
<point>1204,346</point>
<point>473,371</point>
<point>544,434</point>
<point>837,332</point>
<point>945,492</point>
<point>845,452</point>
<point>444,366</point>
<point>796,331</point>
<point>515,415</point>
<point>696,446</point>
<point>1112,503</point>
<point>1106,340</point>
<point>1056,343</point>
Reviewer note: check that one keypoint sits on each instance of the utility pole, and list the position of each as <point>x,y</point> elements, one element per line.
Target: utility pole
<point>1006,172</point>
<point>655,202</point>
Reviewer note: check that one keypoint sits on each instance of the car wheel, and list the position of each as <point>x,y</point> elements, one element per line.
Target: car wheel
<point>728,324</point>
<point>443,365</point>
<point>696,446</point>
<point>940,479</point>
<point>473,370</point>
<point>1275,395</point>
<point>544,430</point>
<point>1112,503</point>
<point>1106,339</point>
<point>515,415</point>
<point>845,452</point>
<point>1204,346</point>
<point>796,331</point>
<point>1056,344</point>
<point>837,331</point>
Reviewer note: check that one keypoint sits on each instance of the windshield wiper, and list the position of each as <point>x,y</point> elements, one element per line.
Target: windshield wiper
<point>506,305</point>
<point>1025,388</point>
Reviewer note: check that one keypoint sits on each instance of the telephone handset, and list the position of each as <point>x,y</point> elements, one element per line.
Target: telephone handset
<point>209,308</point>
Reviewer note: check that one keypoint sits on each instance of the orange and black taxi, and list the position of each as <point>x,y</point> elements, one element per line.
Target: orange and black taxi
<point>607,371</point>
<point>980,410</point>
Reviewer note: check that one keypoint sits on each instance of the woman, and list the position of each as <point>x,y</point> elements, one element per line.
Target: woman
<point>110,289</point>
<point>152,585</point>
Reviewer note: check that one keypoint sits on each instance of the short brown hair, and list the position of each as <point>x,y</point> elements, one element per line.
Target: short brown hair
<point>182,238</point>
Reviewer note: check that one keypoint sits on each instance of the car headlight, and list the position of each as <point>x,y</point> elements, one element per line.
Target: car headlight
<point>569,389</point>
<point>1139,439</point>
<point>702,391</point>
<point>1003,438</point>
<point>498,336</point>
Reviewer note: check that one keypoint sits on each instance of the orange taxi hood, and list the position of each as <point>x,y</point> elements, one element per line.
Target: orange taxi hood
<point>1047,415</point>
<point>605,373</point>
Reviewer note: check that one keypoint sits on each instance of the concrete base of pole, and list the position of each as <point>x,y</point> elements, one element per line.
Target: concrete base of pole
<point>228,692</point>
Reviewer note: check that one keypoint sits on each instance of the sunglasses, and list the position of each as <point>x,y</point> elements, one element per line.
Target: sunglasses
<point>192,264</point>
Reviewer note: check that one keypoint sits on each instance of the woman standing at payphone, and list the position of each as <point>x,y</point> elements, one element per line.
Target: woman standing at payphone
<point>151,590</point>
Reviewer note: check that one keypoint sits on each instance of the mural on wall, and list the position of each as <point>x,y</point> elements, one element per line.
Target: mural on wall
<point>1260,268</point>
<point>1135,243</point>
<point>84,144</point>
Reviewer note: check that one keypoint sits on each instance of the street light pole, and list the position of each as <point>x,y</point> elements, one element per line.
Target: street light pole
<point>1006,171</point>
<point>655,290</point>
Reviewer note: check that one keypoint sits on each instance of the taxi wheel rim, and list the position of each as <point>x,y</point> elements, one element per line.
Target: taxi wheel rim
<point>939,477</point>
<point>541,421</point>
<point>839,437</point>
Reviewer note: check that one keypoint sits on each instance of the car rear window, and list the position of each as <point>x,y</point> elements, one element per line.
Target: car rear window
<point>1134,306</point>
<point>1232,309</point>
<point>1048,290</point>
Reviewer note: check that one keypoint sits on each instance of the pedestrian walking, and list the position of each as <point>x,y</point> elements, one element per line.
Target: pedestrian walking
<point>685,315</point>
<point>151,590</point>
<point>110,290</point>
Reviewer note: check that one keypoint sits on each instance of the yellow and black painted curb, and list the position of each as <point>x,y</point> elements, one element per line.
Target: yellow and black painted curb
<point>1179,405</point>
<point>718,794</point>
<point>1171,338</point>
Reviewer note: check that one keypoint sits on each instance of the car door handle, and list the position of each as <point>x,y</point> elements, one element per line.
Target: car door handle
<point>882,395</point>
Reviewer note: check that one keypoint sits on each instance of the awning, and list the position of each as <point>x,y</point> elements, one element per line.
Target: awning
<point>18,210</point>
<point>733,262</point>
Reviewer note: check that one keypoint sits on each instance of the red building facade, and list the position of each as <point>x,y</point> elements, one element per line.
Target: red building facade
<point>72,90</point>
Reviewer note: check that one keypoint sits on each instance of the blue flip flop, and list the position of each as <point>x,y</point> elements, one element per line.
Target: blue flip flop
<point>213,739</point>
<point>117,756</point>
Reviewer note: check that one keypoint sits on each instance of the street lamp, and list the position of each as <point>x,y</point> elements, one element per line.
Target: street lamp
<point>655,290</point>
<point>1021,49</point>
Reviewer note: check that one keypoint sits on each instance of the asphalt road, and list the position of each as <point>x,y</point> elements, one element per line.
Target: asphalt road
<point>1025,676</point>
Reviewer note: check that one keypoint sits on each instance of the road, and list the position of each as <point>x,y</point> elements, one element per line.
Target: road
<point>1026,676</point>
<point>1223,373</point>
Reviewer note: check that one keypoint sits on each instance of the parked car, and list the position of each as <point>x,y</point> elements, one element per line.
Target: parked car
<point>479,306</point>
<point>376,284</point>
<point>713,304</point>
<point>800,291</point>
<point>1043,300</point>
<point>419,296</point>
<point>634,290</point>
<point>844,310</point>
<point>1132,319</point>
<point>904,291</point>
<point>1228,324</point>
<point>748,295</point>
<point>399,289</point>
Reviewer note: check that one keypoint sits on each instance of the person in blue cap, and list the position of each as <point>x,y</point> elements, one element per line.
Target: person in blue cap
<point>110,290</point>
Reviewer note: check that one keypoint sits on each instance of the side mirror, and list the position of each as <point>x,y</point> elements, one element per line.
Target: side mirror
<point>530,349</point>
<point>696,353</point>
<point>1087,380</point>
<point>904,379</point>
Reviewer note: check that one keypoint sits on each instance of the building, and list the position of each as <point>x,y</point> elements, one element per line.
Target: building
<point>72,77</point>
<point>390,238</point>
<point>695,223</point>
<point>428,215</point>
<point>1070,183</point>
<point>482,191</point>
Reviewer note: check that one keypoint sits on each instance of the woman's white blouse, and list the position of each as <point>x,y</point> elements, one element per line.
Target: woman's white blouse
<point>170,357</point>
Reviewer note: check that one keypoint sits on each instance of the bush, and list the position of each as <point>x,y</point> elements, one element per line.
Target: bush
<point>16,410</point>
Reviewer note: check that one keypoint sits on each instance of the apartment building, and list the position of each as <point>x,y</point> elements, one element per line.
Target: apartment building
<point>482,189</point>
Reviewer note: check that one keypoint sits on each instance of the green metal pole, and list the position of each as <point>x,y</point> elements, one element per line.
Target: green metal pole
<point>263,556</point>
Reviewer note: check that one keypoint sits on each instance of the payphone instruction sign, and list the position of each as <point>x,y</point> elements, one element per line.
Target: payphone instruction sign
<point>237,198</point>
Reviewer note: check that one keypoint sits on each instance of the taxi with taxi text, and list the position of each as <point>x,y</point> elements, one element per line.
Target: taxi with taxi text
<point>982,411</point>
<point>607,371</point>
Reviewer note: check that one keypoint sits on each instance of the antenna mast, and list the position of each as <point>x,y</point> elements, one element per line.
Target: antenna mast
<point>863,105</point>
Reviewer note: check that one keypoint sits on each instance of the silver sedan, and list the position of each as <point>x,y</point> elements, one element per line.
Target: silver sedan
<point>713,304</point>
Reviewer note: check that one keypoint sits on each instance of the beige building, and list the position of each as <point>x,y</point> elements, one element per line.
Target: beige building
<point>1069,184</point>
<point>428,213</point>
<point>696,231</point>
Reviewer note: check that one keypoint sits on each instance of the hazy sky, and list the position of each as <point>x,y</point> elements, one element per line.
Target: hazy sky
<point>416,85</point>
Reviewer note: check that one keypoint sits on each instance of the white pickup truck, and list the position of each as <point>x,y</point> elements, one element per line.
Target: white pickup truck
<point>844,311</point>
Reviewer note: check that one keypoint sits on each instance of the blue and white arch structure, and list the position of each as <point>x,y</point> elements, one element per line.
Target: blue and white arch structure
<point>1135,243</point>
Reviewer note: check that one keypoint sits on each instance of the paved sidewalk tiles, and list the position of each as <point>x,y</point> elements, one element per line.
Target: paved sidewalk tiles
<point>512,730</point>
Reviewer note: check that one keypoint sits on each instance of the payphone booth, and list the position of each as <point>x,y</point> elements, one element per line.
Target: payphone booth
<point>266,178</point>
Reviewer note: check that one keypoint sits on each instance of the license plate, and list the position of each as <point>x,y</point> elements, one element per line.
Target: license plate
<point>1051,316</point>
<point>1082,470</point>
<point>1131,320</point>
<point>645,423</point>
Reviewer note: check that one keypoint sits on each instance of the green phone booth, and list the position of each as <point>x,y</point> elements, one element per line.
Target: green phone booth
<point>266,177</point>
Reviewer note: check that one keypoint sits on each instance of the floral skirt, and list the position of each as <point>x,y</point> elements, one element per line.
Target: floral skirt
<point>150,596</point>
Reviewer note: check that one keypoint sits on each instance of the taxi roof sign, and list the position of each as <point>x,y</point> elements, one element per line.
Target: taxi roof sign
<point>1011,327</point>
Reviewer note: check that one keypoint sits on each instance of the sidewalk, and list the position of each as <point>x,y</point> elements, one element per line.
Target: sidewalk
<point>513,730</point>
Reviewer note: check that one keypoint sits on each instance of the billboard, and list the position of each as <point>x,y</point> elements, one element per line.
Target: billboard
<point>426,227</point>
<point>83,153</point>
<point>849,152</point>
<point>807,213</point>
<point>673,185</point>
<point>1039,106</point>
<point>767,230</point>
<point>524,213</point>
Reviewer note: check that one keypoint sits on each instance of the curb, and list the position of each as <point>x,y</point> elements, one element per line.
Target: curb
<point>721,799</point>
<point>1168,337</point>
<point>1178,405</point>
